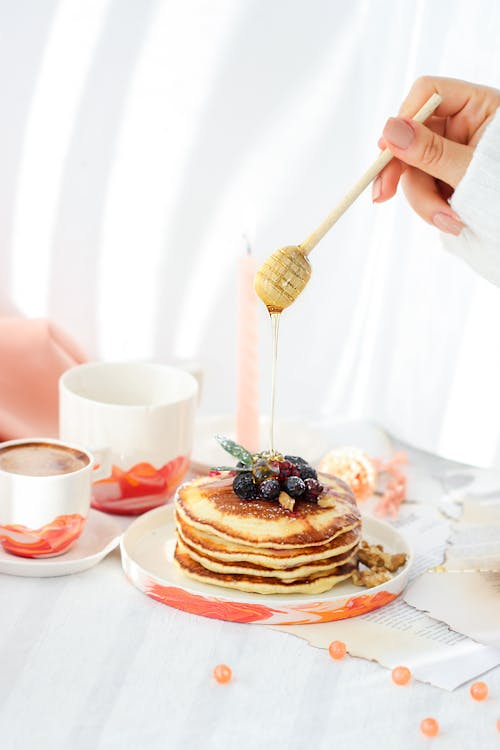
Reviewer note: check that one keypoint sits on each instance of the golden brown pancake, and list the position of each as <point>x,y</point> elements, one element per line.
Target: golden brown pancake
<point>229,552</point>
<point>316,584</point>
<point>258,546</point>
<point>283,574</point>
<point>211,505</point>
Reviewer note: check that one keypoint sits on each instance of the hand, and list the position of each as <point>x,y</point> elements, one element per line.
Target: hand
<point>433,158</point>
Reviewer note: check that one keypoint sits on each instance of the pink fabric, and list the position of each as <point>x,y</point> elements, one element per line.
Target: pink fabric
<point>33,354</point>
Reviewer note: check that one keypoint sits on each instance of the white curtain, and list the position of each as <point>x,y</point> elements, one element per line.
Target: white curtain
<point>141,139</point>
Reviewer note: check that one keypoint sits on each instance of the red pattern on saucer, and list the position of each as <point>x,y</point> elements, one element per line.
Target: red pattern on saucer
<point>52,539</point>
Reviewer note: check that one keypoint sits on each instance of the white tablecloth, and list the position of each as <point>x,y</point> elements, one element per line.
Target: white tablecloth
<point>87,662</point>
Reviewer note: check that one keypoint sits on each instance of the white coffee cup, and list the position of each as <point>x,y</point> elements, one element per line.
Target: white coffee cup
<point>138,420</point>
<point>45,487</point>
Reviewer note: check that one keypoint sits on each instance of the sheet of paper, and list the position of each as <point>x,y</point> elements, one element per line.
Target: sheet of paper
<point>467,602</point>
<point>398,633</point>
<point>474,547</point>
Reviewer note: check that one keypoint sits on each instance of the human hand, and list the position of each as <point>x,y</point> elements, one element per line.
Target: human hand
<point>431,159</point>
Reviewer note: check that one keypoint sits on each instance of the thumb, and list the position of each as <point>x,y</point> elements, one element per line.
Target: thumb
<point>417,145</point>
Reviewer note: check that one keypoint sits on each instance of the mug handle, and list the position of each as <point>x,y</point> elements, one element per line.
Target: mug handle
<point>102,465</point>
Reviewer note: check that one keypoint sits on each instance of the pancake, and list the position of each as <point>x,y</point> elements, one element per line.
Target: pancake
<point>258,584</point>
<point>283,574</point>
<point>211,505</point>
<point>258,545</point>
<point>229,552</point>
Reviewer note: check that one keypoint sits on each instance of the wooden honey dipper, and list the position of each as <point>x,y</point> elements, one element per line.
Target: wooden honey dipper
<point>283,276</point>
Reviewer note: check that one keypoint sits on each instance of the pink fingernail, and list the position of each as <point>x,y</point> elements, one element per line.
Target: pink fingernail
<point>447,224</point>
<point>398,132</point>
<point>376,189</point>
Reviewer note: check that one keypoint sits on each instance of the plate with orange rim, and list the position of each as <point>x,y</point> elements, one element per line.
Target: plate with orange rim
<point>147,549</point>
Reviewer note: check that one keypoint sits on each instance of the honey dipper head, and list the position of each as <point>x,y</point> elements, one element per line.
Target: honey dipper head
<point>282,277</point>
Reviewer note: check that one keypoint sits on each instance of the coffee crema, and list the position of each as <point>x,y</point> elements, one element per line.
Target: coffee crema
<point>41,459</point>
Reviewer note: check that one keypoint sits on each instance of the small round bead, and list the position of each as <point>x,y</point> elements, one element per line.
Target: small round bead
<point>498,724</point>
<point>337,649</point>
<point>479,691</point>
<point>429,727</point>
<point>222,674</point>
<point>401,675</point>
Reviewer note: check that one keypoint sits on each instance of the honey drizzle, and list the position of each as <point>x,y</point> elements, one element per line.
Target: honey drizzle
<point>275,314</point>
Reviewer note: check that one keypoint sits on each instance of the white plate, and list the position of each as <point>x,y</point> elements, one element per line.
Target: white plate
<point>300,439</point>
<point>100,535</point>
<point>147,549</point>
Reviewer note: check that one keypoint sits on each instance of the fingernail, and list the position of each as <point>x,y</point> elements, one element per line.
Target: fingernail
<point>398,132</point>
<point>446,224</point>
<point>376,189</point>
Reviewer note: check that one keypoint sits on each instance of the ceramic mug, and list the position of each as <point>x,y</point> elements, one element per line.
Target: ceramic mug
<point>138,421</point>
<point>45,489</point>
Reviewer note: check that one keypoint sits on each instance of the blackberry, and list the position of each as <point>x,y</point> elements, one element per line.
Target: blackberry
<point>307,472</point>
<point>313,490</point>
<point>295,487</point>
<point>244,486</point>
<point>287,469</point>
<point>269,489</point>
<point>297,460</point>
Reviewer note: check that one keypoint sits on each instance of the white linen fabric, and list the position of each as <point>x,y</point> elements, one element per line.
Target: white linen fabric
<point>140,140</point>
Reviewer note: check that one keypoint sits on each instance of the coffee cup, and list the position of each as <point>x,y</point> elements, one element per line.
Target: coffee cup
<point>137,419</point>
<point>44,495</point>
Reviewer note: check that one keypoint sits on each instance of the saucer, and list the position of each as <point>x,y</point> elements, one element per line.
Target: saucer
<point>147,549</point>
<point>100,535</point>
<point>300,439</point>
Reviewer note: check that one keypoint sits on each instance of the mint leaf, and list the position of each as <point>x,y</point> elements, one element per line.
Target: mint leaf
<point>235,450</point>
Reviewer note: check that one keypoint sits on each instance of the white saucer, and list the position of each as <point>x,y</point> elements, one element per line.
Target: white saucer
<point>300,439</point>
<point>147,549</point>
<point>101,535</point>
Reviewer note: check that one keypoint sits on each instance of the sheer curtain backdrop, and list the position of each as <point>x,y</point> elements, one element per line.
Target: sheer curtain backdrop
<point>140,140</point>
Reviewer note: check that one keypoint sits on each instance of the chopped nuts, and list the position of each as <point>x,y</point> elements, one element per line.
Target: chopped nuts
<point>286,501</point>
<point>379,564</point>
<point>326,501</point>
<point>370,578</point>
<point>373,556</point>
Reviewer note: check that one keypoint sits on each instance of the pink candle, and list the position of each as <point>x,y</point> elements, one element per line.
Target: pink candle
<point>247,388</point>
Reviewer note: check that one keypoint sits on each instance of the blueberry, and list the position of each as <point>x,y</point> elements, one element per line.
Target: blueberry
<point>295,486</point>
<point>269,489</point>
<point>244,486</point>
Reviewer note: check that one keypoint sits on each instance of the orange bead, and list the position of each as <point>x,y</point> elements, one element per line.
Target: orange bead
<point>498,724</point>
<point>222,674</point>
<point>429,727</point>
<point>337,649</point>
<point>479,691</point>
<point>401,675</point>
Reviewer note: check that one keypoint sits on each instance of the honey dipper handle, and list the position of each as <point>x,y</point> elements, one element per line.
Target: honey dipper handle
<point>380,162</point>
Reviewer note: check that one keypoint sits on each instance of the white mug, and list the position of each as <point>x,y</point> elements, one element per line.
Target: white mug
<point>42,514</point>
<point>138,421</point>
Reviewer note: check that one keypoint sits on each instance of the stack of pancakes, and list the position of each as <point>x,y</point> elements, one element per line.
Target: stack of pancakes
<point>259,546</point>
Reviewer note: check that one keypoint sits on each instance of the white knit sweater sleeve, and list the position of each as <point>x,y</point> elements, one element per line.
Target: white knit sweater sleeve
<point>476,200</point>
